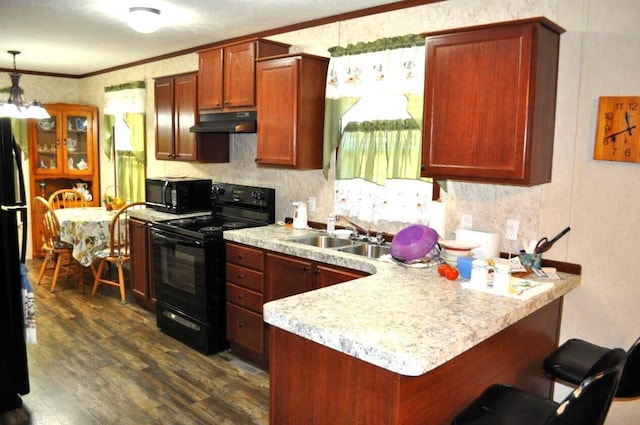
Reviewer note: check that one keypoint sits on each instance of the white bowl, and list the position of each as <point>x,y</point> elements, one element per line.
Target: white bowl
<point>454,249</point>
<point>342,233</point>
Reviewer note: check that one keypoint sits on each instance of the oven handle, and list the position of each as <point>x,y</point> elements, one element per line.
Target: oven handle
<point>158,234</point>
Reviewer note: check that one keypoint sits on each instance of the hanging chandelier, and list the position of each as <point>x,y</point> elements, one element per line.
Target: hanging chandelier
<point>15,106</point>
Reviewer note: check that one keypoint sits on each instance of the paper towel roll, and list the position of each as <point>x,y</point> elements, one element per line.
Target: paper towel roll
<point>437,218</point>
<point>489,242</point>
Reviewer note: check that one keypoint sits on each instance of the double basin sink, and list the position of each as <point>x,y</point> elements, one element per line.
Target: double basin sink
<point>364,249</point>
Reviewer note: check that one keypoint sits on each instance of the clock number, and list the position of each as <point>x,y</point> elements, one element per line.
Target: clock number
<point>608,116</point>
<point>627,152</point>
<point>633,106</point>
<point>618,105</point>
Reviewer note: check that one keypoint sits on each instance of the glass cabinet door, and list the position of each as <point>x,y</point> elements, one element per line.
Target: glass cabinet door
<point>47,143</point>
<point>77,143</point>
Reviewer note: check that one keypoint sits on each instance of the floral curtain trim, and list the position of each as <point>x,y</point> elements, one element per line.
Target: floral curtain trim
<point>390,43</point>
<point>124,98</point>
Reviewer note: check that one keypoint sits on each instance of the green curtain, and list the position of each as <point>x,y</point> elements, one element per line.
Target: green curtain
<point>107,134</point>
<point>334,109</point>
<point>130,176</point>
<point>131,164</point>
<point>379,150</point>
<point>20,130</point>
<point>136,124</point>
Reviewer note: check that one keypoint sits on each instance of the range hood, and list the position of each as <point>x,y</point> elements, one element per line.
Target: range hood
<point>226,122</point>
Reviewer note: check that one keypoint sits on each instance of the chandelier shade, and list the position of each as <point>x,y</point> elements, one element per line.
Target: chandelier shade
<point>15,106</point>
<point>144,19</point>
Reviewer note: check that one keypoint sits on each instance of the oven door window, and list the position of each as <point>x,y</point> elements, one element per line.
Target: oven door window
<point>179,273</point>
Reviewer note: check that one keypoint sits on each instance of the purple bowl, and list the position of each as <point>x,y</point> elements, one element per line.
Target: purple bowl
<point>413,242</point>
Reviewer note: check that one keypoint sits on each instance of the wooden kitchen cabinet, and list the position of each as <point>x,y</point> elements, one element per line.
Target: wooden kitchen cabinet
<point>490,98</point>
<point>290,91</point>
<point>245,288</point>
<point>254,277</point>
<point>176,107</point>
<point>63,152</point>
<point>141,265</point>
<point>227,74</point>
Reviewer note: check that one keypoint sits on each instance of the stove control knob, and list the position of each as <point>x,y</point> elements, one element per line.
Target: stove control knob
<point>258,195</point>
<point>217,190</point>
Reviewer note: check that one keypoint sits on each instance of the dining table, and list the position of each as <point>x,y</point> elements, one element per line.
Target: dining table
<point>87,229</point>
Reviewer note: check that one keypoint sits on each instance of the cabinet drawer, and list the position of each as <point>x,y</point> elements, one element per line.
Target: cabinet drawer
<point>245,256</point>
<point>245,277</point>
<point>245,328</point>
<point>244,297</point>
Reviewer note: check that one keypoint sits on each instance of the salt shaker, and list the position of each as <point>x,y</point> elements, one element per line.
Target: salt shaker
<point>502,278</point>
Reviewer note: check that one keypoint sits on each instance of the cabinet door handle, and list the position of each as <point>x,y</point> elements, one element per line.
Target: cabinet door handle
<point>316,272</point>
<point>241,296</point>
<point>240,276</point>
<point>240,257</point>
<point>305,269</point>
<point>242,325</point>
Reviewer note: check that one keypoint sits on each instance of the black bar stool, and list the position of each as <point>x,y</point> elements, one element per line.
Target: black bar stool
<point>572,360</point>
<point>586,405</point>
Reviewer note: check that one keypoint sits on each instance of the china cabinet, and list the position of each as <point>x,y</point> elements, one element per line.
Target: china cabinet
<point>490,98</point>
<point>227,74</point>
<point>290,92</point>
<point>63,154</point>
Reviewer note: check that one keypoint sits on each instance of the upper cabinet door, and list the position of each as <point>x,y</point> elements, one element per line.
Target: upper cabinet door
<point>185,110</point>
<point>210,79</point>
<point>239,75</point>
<point>490,95</point>
<point>78,141</point>
<point>164,118</point>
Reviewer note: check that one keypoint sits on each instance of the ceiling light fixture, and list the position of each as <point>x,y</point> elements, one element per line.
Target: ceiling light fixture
<point>144,19</point>
<point>15,106</point>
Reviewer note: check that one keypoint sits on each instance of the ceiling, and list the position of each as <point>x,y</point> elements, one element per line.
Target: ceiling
<point>81,37</point>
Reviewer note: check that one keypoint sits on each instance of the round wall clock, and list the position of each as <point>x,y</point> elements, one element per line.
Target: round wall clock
<point>618,129</point>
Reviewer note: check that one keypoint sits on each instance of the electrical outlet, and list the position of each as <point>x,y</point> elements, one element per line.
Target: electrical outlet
<point>466,221</point>
<point>311,203</point>
<point>511,231</point>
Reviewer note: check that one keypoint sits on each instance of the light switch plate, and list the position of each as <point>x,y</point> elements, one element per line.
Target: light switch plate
<point>466,221</point>
<point>311,203</point>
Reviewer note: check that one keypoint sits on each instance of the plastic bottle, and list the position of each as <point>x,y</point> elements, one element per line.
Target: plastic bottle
<point>331,223</point>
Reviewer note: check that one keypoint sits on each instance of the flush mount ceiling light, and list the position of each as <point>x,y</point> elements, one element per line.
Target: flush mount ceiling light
<point>144,19</point>
<point>15,106</point>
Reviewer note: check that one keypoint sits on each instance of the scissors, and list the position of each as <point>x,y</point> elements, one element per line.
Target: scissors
<point>545,244</point>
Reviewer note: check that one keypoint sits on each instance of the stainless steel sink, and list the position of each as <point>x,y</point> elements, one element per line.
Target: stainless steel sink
<point>323,241</point>
<point>367,250</point>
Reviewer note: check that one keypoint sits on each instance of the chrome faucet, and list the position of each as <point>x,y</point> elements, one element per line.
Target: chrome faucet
<point>357,230</point>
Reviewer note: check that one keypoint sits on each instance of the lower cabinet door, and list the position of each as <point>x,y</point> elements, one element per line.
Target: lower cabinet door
<point>245,328</point>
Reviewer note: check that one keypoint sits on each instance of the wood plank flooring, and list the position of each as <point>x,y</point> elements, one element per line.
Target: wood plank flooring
<point>98,361</point>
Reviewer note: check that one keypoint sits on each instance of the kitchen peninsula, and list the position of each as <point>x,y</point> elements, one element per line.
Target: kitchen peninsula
<point>400,346</point>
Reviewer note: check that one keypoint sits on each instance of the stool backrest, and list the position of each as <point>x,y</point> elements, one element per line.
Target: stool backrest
<point>630,380</point>
<point>589,403</point>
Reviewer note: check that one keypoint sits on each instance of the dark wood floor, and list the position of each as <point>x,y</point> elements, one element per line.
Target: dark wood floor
<point>98,361</point>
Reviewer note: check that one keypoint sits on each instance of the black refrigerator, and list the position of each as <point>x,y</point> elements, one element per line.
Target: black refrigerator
<point>14,376</point>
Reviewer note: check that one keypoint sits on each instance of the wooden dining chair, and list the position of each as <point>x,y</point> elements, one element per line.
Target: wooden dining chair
<point>67,198</point>
<point>118,251</point>
<point>58,253</point>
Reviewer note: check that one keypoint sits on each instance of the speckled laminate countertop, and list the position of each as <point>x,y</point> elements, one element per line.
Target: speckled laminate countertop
<point>406,320</point>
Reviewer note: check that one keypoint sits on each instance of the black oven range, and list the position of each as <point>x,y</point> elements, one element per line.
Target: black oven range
<point>189,264</point>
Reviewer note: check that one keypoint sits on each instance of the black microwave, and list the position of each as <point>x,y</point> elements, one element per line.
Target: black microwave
<point>178,195</point>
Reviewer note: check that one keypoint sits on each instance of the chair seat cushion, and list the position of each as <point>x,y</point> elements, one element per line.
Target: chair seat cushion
<point>504,404</point>
<point>572,360</point>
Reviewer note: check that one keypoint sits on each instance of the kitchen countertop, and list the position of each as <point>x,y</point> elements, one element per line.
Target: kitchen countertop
<point>406,320</point>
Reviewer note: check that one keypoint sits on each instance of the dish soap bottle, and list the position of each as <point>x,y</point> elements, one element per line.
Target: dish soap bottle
<point>331,223</point>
